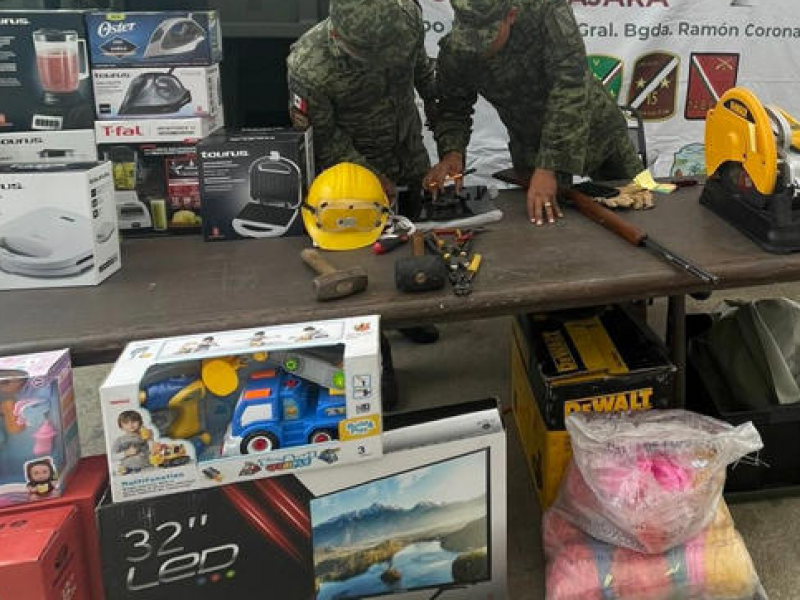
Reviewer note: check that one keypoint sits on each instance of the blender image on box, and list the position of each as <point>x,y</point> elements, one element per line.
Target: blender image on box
<point>62,64</point>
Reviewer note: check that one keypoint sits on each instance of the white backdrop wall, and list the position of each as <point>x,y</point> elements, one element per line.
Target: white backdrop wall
<point>671,59</point>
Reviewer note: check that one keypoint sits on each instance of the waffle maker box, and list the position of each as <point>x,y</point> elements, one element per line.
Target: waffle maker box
<point>45,83</point>
<point>150,39</point>
<point>253,182</point>
<point>58,225</point>
<point>427,520</point>
<point>152,93</point>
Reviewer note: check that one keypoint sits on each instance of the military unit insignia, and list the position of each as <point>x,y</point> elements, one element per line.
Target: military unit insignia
<point>654,84</point>
<point>608,70</point>
<point>710,76</point>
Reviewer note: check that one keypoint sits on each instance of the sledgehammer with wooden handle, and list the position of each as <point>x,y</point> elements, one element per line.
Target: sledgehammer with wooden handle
<point>332,283</point>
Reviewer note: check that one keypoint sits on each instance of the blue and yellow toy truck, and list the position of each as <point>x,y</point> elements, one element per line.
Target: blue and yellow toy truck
<point>277,409</point>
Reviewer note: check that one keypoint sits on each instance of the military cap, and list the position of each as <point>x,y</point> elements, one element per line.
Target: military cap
<point>378,31</point>
<point>477,23</point>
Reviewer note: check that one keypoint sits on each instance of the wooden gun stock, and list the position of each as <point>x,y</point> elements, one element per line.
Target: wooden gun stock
<point>602,216</point>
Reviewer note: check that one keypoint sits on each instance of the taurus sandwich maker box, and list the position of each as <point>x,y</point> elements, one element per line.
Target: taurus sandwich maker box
<point>45,83</point>
<point>427,520</point>
<point>58,225</point>
<point>73,145</point>
<point>151,39</point>
<point>209,409</point>
<point>253,182</point>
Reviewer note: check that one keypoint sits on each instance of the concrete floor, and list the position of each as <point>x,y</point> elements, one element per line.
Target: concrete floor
<point>472,361</point>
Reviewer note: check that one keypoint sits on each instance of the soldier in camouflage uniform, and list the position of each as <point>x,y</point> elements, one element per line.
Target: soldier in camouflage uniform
<point>528,60</point>
<point>352,77</point>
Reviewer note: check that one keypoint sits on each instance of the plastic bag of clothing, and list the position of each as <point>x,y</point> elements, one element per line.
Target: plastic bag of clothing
<point>649,480</point>
<point>750,356</point>
<point>714,565</point>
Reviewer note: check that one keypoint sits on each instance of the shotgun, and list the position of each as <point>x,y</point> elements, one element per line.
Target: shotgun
<point>613,222</point>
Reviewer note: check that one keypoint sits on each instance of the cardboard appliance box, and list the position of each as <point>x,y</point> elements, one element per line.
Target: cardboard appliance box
<point>154,93</point>
<point>156,186</point>
<point>88,485</point>
<point>41,556</point>
<point>39,427</point>
<point>45,83</point>
<point>595,360</point>
<point>253,182</point>
<point>73,145</point>
<point>427,519</point>
<point>209,409</point>
<point>58,223</point>
<point>137,131</point>
<point>599,359</point>
<point>147,39</point>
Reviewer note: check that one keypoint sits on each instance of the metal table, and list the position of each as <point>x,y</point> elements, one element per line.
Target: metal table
<point>173,286</point>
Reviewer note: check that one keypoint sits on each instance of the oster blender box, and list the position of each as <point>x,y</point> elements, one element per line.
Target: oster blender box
<point>45,81</point>
<point>87,487</point>
<point>41,557</point>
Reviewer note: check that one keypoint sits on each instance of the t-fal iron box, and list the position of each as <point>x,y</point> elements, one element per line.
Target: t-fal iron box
<point>147,39</point>
<point>253,182</point>
<point>427,520</point>
<point>156,93</point>
<point>135,131</point>
<point>45,81</point>
<point>76,145</point>
<point>58,225</point>
<point>156,187</point>
<point>41,556</point>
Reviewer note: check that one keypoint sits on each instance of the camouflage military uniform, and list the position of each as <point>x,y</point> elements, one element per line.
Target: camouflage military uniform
<point>557,114</point>
<point>363,111</point>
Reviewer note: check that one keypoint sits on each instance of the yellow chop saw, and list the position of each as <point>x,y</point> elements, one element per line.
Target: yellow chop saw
<point>753,162</point>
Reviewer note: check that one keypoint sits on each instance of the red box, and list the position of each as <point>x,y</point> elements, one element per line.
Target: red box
<point>87,485</point>
<point>41,555</point>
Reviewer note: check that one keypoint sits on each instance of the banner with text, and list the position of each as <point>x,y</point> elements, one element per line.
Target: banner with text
<point>670,59</point>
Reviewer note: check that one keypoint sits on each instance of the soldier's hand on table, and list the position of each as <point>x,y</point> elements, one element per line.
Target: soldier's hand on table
<point>452,164</point>
<point>542,197</point>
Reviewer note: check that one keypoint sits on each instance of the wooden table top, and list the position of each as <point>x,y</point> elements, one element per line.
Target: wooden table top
<point>174,286</point>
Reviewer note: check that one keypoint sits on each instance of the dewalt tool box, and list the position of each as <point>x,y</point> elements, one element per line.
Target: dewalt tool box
<point>563,362</point>
<point>593,360</point>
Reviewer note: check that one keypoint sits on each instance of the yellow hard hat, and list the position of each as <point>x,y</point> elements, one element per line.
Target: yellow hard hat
<point>346,208</point>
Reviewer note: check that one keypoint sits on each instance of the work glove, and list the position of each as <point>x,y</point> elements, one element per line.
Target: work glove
<point>631,196</point>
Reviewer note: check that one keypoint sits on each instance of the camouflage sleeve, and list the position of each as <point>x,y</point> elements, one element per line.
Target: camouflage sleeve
<point>565,130</point>
<point>457,97</point>
<point>310,106</point>
<point>425,74</point>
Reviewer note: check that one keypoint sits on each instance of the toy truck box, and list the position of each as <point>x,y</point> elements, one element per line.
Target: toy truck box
<point>58,225</point>
<point>38,426</point>
<point>156,187</point>
<point>41,556</point>
<point>154,93</point>
<point>428,519</point>
<point>46,80</point>
<point>147,39</point>
<point>204,410</point>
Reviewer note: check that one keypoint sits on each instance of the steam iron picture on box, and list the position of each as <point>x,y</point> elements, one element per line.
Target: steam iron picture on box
<point>753,161</point>
<point>276,191</point>
<point>175,36</point>
<point>47,243</point>
<point>155,94</point>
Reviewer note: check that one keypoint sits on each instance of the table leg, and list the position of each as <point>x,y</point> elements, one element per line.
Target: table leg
<point>676,340</point>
